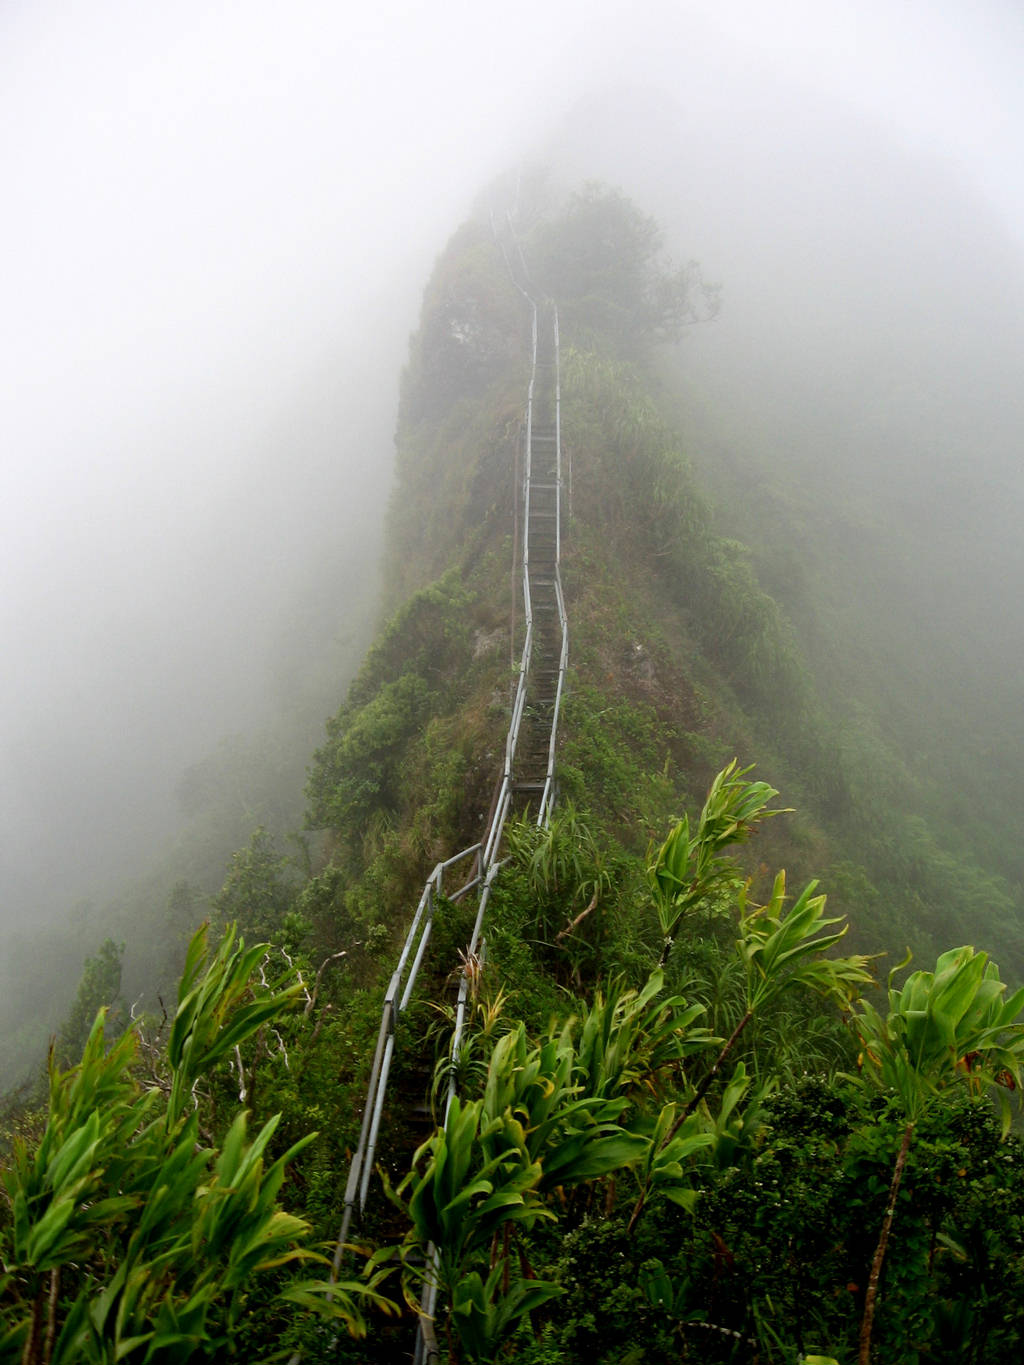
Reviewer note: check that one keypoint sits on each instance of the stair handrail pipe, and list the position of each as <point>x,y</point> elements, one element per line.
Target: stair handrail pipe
<point>486,853</point>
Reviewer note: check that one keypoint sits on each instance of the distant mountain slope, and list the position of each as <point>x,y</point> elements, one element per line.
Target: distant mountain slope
<point>680,657</point>
<point>854,416</point>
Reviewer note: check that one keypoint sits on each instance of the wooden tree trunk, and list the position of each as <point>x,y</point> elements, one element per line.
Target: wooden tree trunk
<point>867,1321</point>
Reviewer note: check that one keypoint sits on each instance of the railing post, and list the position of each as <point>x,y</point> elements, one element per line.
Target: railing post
<point>485,863</point>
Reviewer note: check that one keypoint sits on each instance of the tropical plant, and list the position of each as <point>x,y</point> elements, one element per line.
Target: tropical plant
<point>553,1114</point>
<point>471,1182</point>
<point>135,1237</point>
<point>662,1171</point>
<point>567,872</point>
<point>780,951</point>
<point>573,1133</point>
<point>630,1039</point>
<point>945,1028</point>
<point>777,951</point>
<point>688,869</point>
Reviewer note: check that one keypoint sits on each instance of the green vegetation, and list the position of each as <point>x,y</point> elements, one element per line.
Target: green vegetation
<point>605,259</point>
<point>687,1126</point>
<point>133,1235</point>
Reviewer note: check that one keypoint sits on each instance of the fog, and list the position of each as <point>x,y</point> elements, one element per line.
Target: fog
<point>217,224</point>
<point>856,410</point>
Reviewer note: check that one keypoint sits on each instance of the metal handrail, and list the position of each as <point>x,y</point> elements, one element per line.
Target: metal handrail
<point>548,795</point>
<point>493,837</point>
<point>396,999</point>
<point>428,1302</point>
<point>487,863</point>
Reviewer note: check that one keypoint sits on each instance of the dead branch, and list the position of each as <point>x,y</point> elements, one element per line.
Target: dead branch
<point>242,1092</point>
<point>574,924</point>
<point>311,999</point>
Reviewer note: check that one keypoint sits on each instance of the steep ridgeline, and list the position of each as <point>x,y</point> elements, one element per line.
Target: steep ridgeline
<point>526,786</point>
<point>640,1123</point>
<point>464,716</point>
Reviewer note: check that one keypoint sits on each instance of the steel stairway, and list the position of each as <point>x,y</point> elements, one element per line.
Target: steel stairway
<point>533,763</point>
<point>527,782</point>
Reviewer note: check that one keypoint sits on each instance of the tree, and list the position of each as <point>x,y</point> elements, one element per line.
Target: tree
<point>98,989</point>
<point>256,893</point>
<point>604,259</point>
<point>946,1028</point>
<point>687,870</point>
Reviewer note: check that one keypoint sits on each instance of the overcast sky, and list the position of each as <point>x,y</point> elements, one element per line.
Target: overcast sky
<point>217,219</point>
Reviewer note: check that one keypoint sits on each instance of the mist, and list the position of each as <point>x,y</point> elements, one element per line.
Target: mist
<point>856,409</point>
<point>217,228</point>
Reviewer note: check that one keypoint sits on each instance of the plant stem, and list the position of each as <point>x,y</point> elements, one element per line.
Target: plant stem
<point>30,1355</point>
<point>690,1106</point>
<point>706,1083</point>
<point>51,1315</point>
<point>864,1355</point>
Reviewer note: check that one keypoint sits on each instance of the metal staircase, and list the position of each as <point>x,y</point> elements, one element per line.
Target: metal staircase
<point>542,516</point>
<point>527,781</point>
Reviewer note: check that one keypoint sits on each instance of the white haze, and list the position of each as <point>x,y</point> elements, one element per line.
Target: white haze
<point>217,221</point>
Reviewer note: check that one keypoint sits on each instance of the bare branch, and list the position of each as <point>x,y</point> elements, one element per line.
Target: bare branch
<point>283,1049</point>
<point>242,1092</point>
<point>311,999</point>
<point>574,924</point>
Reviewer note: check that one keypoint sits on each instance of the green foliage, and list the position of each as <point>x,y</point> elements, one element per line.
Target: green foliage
<point>656,509</point>
<point>426,635</point>
<point>487,1312</point>
<point>572,1132</point>
<point>745,632</point>
<point>662,1174</point>
<point>258,890</point>
<point>638,488</point>
<point>784,949</point>
<point>400,781</point>
<point>131,1237</point>
<point>945,1027</point>
<point>629,1039</point>
<point>218,1010</point>
<point>770,1260</point>
<point>940,1024</point>
<point>552,1116</point>
<point>478,1182</point>
<point>358,774</point>
<point>568,875</point>
<point>98,989</point>
<point>603,260</point>
<point>688,870</point>
<point>612,764</point>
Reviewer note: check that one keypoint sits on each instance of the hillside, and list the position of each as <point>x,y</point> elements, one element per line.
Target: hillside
<point>679,660</point>
<point>683,1114</point>
<point>678,649</point>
